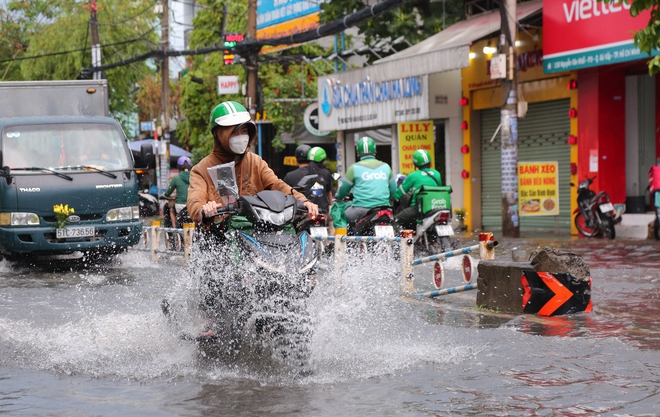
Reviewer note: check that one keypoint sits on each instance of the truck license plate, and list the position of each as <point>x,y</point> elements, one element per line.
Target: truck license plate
<point>75,232</point>
<point>444,230</point>
<point>318,231</point>
<point>384,231</point>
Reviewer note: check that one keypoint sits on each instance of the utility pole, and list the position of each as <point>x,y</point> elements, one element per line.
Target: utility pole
<point>165,98</point>
<point>509,123</point>
<point>252,65</point>
<point>92,7</point>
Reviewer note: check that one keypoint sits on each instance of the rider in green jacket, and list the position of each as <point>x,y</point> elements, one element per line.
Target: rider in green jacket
<point>424,175</point>
<point>370,180</point>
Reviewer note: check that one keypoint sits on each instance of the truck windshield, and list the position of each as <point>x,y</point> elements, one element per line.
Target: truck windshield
<point>65,146</point>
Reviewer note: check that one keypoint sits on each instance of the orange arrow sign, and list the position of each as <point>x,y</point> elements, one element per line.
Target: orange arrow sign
<point>562,294</point>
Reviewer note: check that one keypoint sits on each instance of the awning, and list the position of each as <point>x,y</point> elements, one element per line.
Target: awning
<point>450,48</point>
<point>175,151</point>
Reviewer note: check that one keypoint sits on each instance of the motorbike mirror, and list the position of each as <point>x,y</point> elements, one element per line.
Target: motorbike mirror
<point>147,157</point>
<point>306,182</point>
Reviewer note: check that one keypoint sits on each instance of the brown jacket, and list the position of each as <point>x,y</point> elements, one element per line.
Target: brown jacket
<point>252,175</point>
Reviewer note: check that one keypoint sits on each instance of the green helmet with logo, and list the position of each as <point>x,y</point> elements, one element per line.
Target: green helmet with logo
<point>421,158</point>
<point>365,146</point>
<point>229,113</point>
<point>317,154</point>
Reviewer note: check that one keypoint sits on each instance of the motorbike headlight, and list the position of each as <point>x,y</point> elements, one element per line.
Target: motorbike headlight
<point>583,184</point>
<point>268,266</point>
<point>19,219</point>
<point>123,214</point>
<point>275,218</point>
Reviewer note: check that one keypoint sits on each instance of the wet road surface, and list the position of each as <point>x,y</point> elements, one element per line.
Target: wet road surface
<point>94,342</point>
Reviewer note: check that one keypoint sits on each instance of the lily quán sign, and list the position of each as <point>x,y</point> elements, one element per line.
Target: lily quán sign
<point>354,100</point>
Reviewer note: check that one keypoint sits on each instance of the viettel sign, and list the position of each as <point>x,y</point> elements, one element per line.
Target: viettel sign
<point>588,33</point>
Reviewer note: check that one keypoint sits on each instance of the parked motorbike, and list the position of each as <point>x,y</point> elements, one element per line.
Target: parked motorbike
<point>595,214</point>
<point>257,278</point>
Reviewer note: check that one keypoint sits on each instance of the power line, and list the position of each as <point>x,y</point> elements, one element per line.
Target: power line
<point>249,45</point>
<point>125,20</point>
<point>70,51</point>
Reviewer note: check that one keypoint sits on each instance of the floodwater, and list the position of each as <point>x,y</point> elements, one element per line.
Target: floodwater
<point>94,342</point>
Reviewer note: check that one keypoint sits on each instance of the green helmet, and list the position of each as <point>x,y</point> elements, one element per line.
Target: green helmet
<point>317,154</point>
<point>365,146</point>
<point>421,158</point>
<point>229,113</point>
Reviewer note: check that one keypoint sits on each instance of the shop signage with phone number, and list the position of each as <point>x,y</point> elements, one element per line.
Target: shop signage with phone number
<point>538,189</point>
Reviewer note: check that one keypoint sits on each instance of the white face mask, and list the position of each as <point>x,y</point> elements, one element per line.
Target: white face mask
<point>238,144</point>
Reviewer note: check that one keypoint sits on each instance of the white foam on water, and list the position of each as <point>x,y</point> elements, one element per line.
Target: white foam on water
<point>366,328</point>
<point>361,326</point>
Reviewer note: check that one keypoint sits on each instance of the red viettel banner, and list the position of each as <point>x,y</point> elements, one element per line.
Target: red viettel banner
<point>589,33</point>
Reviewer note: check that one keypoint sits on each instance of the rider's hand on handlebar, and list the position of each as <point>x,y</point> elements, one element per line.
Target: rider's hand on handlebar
<point>312,209</point>
<point>209,209</point>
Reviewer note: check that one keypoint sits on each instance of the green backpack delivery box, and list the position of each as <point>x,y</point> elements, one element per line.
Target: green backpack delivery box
<point>430,198</point>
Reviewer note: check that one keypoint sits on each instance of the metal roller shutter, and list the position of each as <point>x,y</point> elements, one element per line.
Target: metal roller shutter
<point>542,136</point>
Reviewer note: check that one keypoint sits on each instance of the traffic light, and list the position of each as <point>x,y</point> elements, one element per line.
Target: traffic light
<point>230,40</point>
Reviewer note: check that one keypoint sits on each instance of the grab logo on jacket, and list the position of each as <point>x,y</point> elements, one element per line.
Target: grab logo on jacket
<point>379,175</point>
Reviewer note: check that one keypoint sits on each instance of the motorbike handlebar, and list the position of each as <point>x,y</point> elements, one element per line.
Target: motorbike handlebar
<point>228,209</point>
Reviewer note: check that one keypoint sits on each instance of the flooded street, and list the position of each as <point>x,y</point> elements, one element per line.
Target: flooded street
<point>94,342</point>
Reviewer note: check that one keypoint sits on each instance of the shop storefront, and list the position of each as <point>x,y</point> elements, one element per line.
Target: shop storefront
<point>543,138</point>
<point>399,112</point>
<point>419,84</point>
<point>617,112</point>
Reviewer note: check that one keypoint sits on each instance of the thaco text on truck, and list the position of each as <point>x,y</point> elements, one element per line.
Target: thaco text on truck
<point>59,147</point>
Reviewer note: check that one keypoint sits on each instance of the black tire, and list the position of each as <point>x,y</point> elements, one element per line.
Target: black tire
<point>609,231</point>
<point>581,224</point>
<point>445,244</point>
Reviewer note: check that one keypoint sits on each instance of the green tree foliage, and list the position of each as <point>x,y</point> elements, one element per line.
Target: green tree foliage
<point>37,28</point>
<point>288,77</point>
<point>647,39</point>
<point>415,20</point>
<point>199,94</point>
<point>283,77</point>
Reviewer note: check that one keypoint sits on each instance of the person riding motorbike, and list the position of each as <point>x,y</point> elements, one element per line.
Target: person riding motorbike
<point>307,166</point>
<point>423,175</point>
<point>371,181</point>
<point>233,132</point>
<point>322,190</point>
<point>180,183</point>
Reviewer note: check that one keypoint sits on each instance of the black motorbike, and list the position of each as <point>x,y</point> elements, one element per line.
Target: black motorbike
<point>377,222</point>
<point>256,273</point>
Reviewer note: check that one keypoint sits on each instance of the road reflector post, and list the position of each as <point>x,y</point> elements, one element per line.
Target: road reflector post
<point>407,256</point>
<point>486,250</point>
<point>340,246</point>
<point>188,231</point>
<point>155,240</point>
